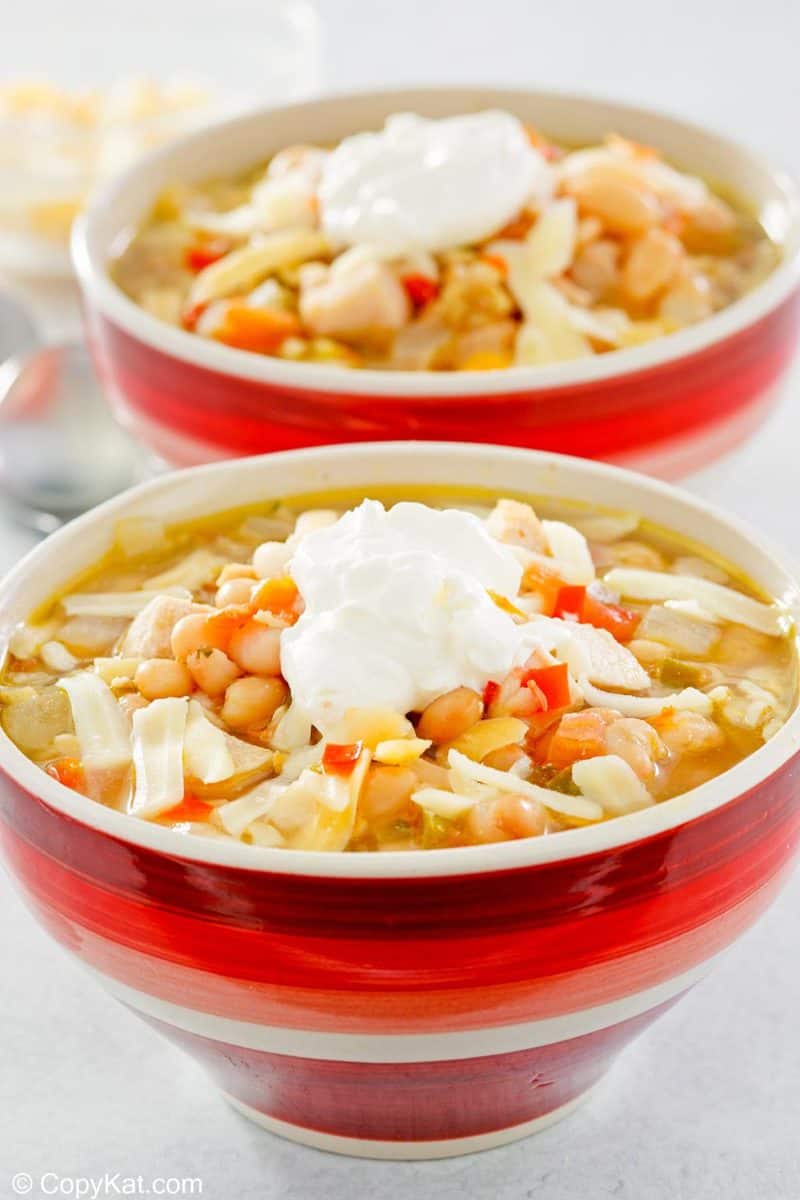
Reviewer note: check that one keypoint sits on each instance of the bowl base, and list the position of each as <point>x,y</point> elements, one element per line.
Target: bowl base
<point>402,1150</point>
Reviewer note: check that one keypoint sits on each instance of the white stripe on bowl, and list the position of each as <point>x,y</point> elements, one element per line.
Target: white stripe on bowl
<point>405,1047</point>
<point>408,1150</point>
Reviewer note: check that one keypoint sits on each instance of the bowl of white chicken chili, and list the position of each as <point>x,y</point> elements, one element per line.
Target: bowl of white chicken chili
<point>541,270</point>
<point>493,742</point>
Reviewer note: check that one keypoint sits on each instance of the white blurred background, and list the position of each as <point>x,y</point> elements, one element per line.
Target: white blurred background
<point>728,63</point>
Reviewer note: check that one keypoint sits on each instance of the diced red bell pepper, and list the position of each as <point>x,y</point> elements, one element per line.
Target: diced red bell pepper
<point>552,683</point>
<point>69,772</point>
<point>490,694</point>
<point>542,582</point>
<point>569,603</point>
<point>619,621</point>
<point>579,604</point>
<point>340,758</point>
<point>189,809</point>
<point>203,254</point>
<point>421,289</point>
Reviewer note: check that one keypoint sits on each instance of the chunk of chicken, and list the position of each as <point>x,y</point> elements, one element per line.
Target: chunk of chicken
<point>367,300</point>
<point>517,524</point>
<point>149,634</point>
<point>594,653</point>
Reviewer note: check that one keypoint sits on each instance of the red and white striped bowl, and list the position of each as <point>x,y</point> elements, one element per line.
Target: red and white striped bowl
<point>403,1005</point>
<point>666,407</point>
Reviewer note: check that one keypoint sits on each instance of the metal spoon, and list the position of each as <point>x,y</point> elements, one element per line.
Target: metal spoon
<point>61,449</point>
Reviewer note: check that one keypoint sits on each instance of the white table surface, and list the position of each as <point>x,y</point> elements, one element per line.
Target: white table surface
<point>706,1105</point>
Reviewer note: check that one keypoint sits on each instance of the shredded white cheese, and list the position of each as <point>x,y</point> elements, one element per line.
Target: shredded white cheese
<point>158,732</point>
<point>571,806</point>
<point>646,706</point>
<point>116,604</point>
<point>715,598</point>
<point>100,724</point>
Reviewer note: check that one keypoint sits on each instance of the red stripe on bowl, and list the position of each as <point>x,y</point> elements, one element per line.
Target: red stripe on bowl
<point>220,413</point>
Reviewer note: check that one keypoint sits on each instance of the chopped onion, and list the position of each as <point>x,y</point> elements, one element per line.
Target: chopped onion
<point>548,334</point>
<point>293,729</point>
<point>683,631</point>
<point>263,834</point>
<point>692,609</point>
<point>297,761</point>
<point>744,704</point>
<point>295,805</point>
<point>443,804</point>
<point>397,752</point>
<point>611,783</point>
<point>569,546</point>
<point>545,253</point>
<point>117,668</point>
<point>248,265</point>
<point>26,639</point>
<point>56,657</point>
<point>699,568</point>
<point>485,736</point>
<point>371,726</point>
<point>115,604</point>
<point>205,748</point>
<point>100,724</point>
<point>198,569</point>
<point>331,824</point>
<point>158,732</point>
<point>235,816</point>
<point>571,806</point>
<point>309,522</point>
<point>639,584</point>
<point>607,527</point>
<point>278,525</point>
<point>140,535</point>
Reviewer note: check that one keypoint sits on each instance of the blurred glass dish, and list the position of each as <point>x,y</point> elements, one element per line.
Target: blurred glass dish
<point>56,144</point>
<point>64,128</point>
<point>61,449</point>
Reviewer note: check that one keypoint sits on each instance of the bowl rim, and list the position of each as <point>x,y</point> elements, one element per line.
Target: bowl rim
<point>566,845</point>
<point>186,347</point>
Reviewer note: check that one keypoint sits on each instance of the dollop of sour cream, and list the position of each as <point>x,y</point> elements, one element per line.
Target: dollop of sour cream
<point>398,611</point>
<point>424,184</point>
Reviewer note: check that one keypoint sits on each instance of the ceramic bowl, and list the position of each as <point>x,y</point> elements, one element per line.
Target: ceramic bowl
<point>668,407</point>
<point>417,1004</point>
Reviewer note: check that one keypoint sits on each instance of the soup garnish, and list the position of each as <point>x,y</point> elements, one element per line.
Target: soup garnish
<point>396,678</point>
<point>467,243</point>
